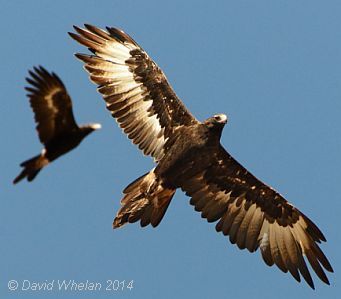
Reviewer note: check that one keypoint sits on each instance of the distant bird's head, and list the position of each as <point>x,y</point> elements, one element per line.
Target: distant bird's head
<point>217,121</point>
<point>95,126</point>
<point>87,129</point>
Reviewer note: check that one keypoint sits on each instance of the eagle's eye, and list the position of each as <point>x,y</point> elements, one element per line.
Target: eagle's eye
<point>220,118</point>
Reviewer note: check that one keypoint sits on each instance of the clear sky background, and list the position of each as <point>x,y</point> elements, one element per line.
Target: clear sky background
<point>272,66</point>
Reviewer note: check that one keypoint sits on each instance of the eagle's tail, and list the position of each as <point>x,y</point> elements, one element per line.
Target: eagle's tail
<point>145,199</point>
<point>31,168</point>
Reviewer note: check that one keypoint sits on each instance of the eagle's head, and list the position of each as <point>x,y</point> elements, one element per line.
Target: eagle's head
<point>217,121</point>
<point>95,126</point>
<point>87,129</point>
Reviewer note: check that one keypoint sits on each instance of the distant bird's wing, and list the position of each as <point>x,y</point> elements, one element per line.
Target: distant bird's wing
<point>253,214</point>
<point>51,104</point>
<point>135,89</point>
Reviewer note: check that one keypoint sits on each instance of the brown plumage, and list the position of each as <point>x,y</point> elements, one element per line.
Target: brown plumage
<point>189,156</point>
<point>56,126</point>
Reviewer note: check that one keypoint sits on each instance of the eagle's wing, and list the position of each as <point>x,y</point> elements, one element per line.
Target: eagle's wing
<point>135,89</point>
<point>51,104</point>
<point>253,214</point>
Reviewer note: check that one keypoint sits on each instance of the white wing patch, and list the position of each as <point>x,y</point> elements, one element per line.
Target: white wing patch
<point>49,100</point>
<point>128,100</point>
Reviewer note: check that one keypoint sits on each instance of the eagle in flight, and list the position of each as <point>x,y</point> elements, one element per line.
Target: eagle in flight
<point>189,156</point>
<point>56,125</point>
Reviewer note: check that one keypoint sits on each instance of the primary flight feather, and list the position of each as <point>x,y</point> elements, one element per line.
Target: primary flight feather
<point>189,156</point>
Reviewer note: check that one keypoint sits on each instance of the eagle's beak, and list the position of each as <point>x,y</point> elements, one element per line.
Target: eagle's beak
<point>96,126</point>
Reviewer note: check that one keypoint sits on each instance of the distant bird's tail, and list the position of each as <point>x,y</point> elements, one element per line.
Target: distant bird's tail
<point>31,168</point>
<point>145,199</point>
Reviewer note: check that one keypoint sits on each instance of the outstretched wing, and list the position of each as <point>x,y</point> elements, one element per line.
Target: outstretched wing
<point>135,89</point>
<point>252,214</point>
<point>51,104</point>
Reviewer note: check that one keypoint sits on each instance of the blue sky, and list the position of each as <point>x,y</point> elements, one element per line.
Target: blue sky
<point>272,66</point>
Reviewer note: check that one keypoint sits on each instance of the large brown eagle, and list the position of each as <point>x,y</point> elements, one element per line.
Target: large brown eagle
<point>56,125</point>
<point>189,156</point>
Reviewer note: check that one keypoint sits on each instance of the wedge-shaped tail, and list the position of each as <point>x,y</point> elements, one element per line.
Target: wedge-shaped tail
<point>145,199</point>
<point>31,168</point>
